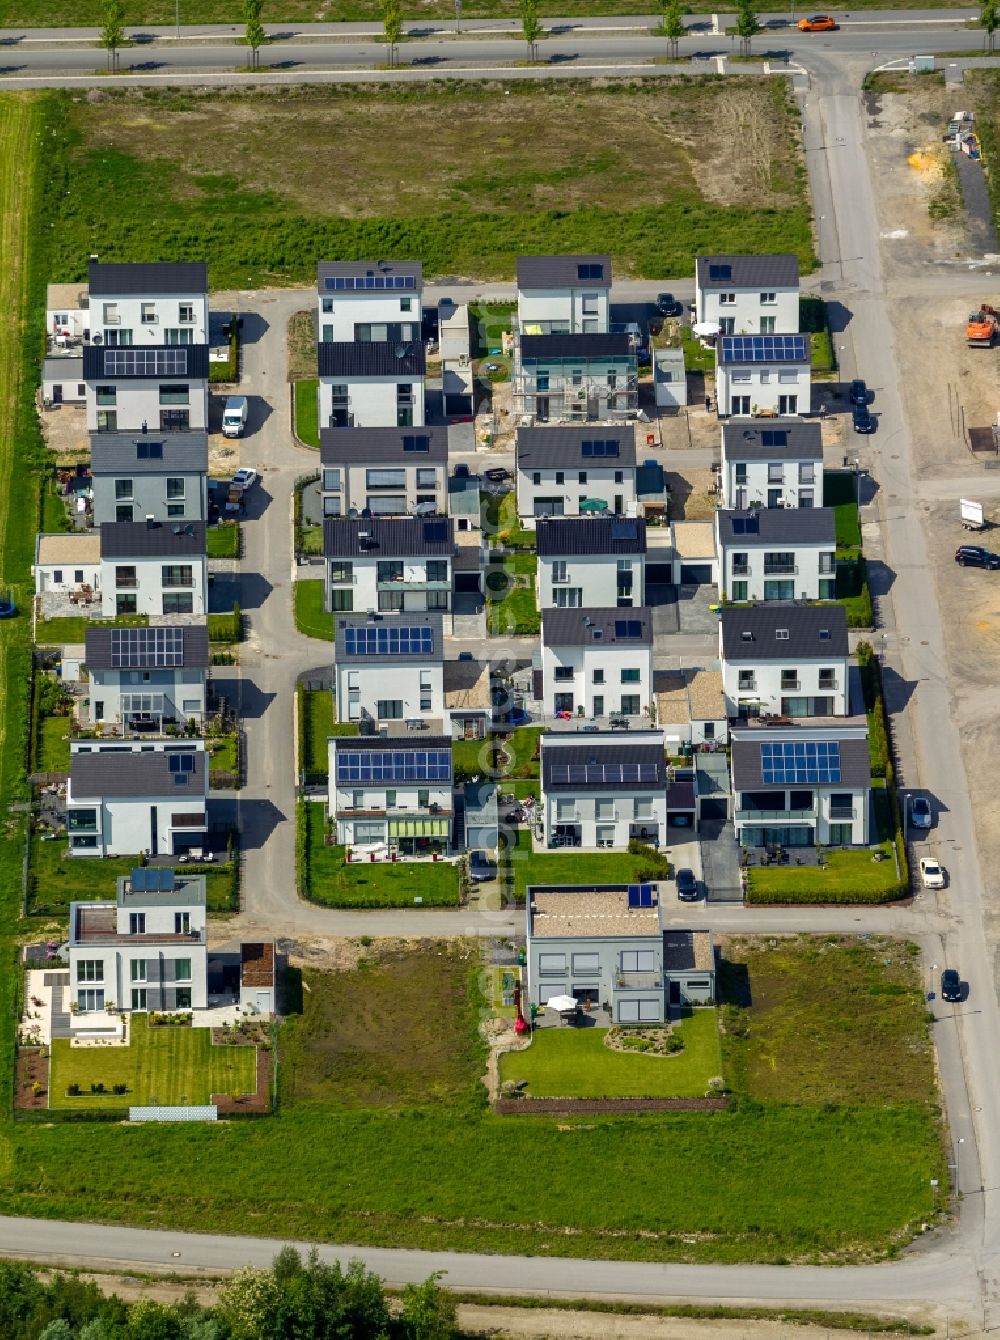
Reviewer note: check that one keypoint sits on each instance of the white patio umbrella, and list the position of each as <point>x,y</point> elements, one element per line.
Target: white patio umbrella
<point>705,328</point>
<point>561,1004</point>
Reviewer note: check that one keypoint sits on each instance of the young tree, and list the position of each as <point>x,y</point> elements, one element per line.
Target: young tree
<point>674,27</point>
<point>429,1312</point>
<point>255,34</point>
<point>112,34</point>
<point>392,26</point>
<point>531,26</point>
<point>747,25</point>
<point>989,21</point>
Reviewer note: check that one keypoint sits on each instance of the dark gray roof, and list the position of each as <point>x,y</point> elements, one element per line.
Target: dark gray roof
<point>184,278</point>
<point>778,525</point>
<point>96,361</point>
<point>563,271</point>
<point>350,446</point>
<point>855,762</point>
<point>359,269</point>
<point>114,453</point>
<point>805,625</point>
<point>145,539</point>
<point>579,347</point>
<point>744,440</point>
<point>598,751</point>
<point>576,627</point>
<point>377,358</point>
<point>538,448</point>
<point>123,772</point>
<point>194,649</point>
<point>556,537</point>
<point>394,623</point>
<point>779,271</point>
<point>371,743</point>
<point>395,537</point>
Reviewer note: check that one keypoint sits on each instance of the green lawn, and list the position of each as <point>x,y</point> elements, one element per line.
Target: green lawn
<point>226,628</point>
<point>316,725</point>
<point>163,1065</point>
<point>224,756</point>
<point>223,540</point>
<point>55,517</point>
<point>52,744</point>
<point>310,616</point>
<point>853,591</point>
<point>813,318</point>
<point>500,519</point>
<point>840,493</point>
<point>307,411</point>
<point>510,595</point>
<point>472,758</point>
<point>525,867</point>
<point>55,879</point>
<point>575,1063</point>
<point>327,878</point>
<point>73,627</point>
<point>519,753</point>
<point>849,877</point>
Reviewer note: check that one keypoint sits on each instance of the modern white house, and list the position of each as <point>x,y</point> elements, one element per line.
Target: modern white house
<point>389,669</point>
<point>62,381</point>
<point>785,661</point>
<point>748,295</point>
<point>369,385</point>
<point>131,796</point>
<point>589,378</point>
<point>140,475</point>
<point>391,795</point>
<point>763,375</point>
<point>68,564</point>
<point>153,567</point>
<point>597,662</point>
<point>144,679</point>
<point>67,317</point>
<point>592,561</point>
<point>563,295</point>
<point>771,465</point>
<point>388,565</point>
<point>777,553</point>
<point>575,471</point>
<point>163,303</point>
<point>801,786</point>
<point>146,950</point>
<point>609,947</point>
<point>601,790</point>
<point>369,301</point>
<point>383,471</point>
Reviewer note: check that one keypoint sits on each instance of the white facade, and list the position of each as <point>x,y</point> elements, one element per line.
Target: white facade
<point>153,585</point>
<point>781,389</point>
<point>390,586</point>
<point>390,690</point>
<point>370,314</point>
<point>351,401</point>
<point>799,687</point>
<point>601,679</point>
<point>782,481</point>
<point>163,404</point>
<point>579,310</point>
<point>384,489</point>
<point>591,797</point>
<point>67,564</point>
<point>780,570</point>
<point>581,580</point>
<point>149,318</point>
<point>748,295</point>
<point>118,697</point>
<point>560,492</point>
<point>412,817</point>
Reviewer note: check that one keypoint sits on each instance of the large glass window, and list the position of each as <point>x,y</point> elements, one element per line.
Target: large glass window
<point>90,970</point>
<point>178,602</point>
<point>89,999</point>
<point>137,970</point>
<point>182,969</point>
<point>174,394</point>
<point>124,488</point>
<point>177,574</point>
<point>175,488</point>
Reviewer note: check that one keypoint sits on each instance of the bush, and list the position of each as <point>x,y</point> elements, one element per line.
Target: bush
<point>97,1087</point>
<point>73,1090</point>
<point>119,1089</point>
<point>659,865</point>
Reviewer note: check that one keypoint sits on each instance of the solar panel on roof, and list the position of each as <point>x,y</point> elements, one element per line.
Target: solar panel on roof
<point>764,348</point>
<point>599,447</point>
<point>633,895</point>
<point>624,530</point>
<point>645,895</point>
<point>416,442</point>
<point>149,451</point>
<point>146,648</point>
<point>152,879</point>
<point>746,525</point>
<point>628,628</point>
<point>182,763</point>
<point>774,437</point>
<point>137,362</point>
<point>393,765</point>
<point>389,641</point>
<point>603,774</point>
<point>793,762</point>
<point>590,271</point>
<point>720,272</point>
<point>435,532</point>
<point>352,283</point>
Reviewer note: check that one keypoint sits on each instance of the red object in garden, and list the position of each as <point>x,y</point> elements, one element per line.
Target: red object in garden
<point>519,1023</point>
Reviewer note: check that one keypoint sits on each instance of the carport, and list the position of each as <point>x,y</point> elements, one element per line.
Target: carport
<point>682,800</point>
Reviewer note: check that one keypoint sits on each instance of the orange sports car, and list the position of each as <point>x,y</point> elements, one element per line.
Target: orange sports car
<point>820,23</point>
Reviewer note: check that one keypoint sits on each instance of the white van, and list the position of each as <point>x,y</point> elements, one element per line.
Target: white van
<point>234,416</point>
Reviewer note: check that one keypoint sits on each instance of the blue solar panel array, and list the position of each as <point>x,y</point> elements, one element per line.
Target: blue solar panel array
<point>790,762</point>
<point>393,765</point>
<point>345,283</point>
<point>383,641</point>
<point>640,895</point>
<point>151,879</point>
<point>625,628</point>
<point>599,447</point>
<point>764,348</point>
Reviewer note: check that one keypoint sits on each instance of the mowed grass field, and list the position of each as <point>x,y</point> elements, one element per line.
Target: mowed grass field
<point>167,1064</point>
<point>544,166</point>
<point>384,1135</point>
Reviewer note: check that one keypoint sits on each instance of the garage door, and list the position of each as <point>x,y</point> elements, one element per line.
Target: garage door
<point>467,581</point>
<point>713,811</point>
<point>696,574</point>
<point>660,574</point>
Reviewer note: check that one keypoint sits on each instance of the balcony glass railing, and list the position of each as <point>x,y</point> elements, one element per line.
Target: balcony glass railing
<point>774,816</point>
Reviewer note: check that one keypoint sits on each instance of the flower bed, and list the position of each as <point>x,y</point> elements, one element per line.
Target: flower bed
<point>649,1041</point>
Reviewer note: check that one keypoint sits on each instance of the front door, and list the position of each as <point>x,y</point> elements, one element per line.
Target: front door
<point>154,840</point>
<point>599,705</point>
<point>57,394</point>
<point>542,408</point>
<point>675,993</point>
<point>788,404</point>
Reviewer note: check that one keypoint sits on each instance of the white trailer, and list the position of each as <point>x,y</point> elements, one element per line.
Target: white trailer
<point>972,514</point>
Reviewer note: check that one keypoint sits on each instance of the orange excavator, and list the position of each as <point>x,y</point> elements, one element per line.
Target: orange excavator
<point>981,328</point>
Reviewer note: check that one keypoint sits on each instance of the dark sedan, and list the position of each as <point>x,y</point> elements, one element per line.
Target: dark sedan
<point>974,556</point>
<point>859,392</point>
<point>951,986</point>
<point>864,419</point>
<point>687,885</point>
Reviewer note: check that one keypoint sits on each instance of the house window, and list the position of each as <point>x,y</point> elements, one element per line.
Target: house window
<point>342,600</point>
<point>789,679</point>
<point>740,590</point>
<point>331,480</point>
<point>406,304</point>
<point>173,335</point>
<point>437,600</point>
<point>708,730</point>
<point>79,821</point>
<point>638,960</point>
<point>90,999</point>
<point>437,570</point>
<point>586,963</point>
<point>827,562</point>
<point>175,488</point>
<point>327,304</point>
<point>768,299</point>
<point>741,473</point>
<point>137,923</point>
<point>389,709</point>
<point>549,963</point>
<point>123,488</point>
<point>806,498</point>
<point>638,1011</point>
<point>149,317</point>
<point>126,576</point>
<point>582,478</point>
<point>139,998</point>
<point>385,479</point>
<point>807,472</point>
<point>767,328</point>
<point>563,674</point>
<point>604,809</point>
<point>175,509</point>
<point>137,970</point>
<point>107,421</point>
<point>174,420</point>
<point>741,564</point>
<point>565,811</point>
<point>828,678</point>
<point>643,809</point>
<point>178,602</point>
<point>560,571</point>
<point>629,706</point>
<point>788,378</point>
<point>106,395</point>
<point>630,676</point>
<point>590,301</point>
<point>174,395</point>
<point>426,478</point>
<point>560,477</point>
<point>123,512</point>
<point>177,574</point>
<point>182,923</point>
<point>598,677</point>
<point>747,681</point>
<point>775,473</point>
<point>111,316</point>
<point>740,375</point>
<point>536,476</point>
<point>727,299</point>
<point>341,572</point>
<point>567,598</point>
<point>90,970</point>
<point>185,311</point>
<point>182,970</point>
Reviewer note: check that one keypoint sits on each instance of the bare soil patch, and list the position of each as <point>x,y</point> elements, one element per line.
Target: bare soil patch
<point>65,431</point>
<point>691,498</point>
<point>32,1068</point>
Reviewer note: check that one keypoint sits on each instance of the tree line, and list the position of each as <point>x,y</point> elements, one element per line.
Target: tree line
<point>295,1299</point>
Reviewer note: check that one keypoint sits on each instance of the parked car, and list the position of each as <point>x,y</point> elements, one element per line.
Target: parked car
<point>819,23</point>
<point>975,556</point>
<point>245,477</point>
<point>497,474</point>
<point>931,873</point>
<point>462,472</point>
<point>951,985</point>
<point>481,867</point>
<point>920,812</point>
<point>687,885</point>
<point>864,419</point>
<point>668,305</point>
<point>858,392</point>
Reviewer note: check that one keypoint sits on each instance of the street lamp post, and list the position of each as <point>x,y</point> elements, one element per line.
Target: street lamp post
<point>958,1164</point>
<point>458,16</point>
<point>177,16</point>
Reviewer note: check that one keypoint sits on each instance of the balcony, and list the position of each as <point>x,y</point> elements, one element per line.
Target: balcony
<point>741,570</point>
<point>638,981</point>
<point>790,685</point>
<point>775,816</point>
<point>411,584</point>
<point>780,569</point>
<point>343,579</point>
<point>843,814</point>
<point>126,583</point>
<point>394,812</point>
